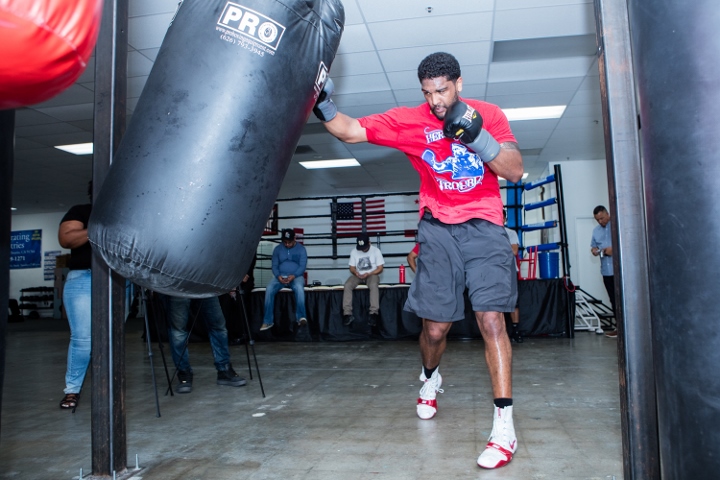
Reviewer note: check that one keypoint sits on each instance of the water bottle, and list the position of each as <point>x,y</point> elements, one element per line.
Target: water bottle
<point>402,273</point>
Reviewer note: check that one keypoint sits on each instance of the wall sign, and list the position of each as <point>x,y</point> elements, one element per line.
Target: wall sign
<point>25,249</point>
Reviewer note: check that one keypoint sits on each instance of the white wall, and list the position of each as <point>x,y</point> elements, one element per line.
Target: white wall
<point>585,186</point>
<point>34,277</point>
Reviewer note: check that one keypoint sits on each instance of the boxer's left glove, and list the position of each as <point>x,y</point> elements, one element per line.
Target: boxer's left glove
<point>325,108</point>
<point>464,123</point>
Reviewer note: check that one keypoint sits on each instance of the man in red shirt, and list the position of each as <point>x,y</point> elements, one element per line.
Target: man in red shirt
<point>459,148</point>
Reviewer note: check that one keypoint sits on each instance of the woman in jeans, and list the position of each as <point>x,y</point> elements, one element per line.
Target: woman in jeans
<point>76,300</point>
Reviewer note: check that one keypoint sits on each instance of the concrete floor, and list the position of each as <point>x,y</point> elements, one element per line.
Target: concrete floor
<point>333,411</point>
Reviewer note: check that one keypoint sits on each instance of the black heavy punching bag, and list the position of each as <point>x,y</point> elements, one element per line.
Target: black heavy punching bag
<point>677,69</point>
<point>199,169</point>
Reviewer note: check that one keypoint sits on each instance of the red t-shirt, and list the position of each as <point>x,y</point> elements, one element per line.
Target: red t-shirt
<point>454,183</point>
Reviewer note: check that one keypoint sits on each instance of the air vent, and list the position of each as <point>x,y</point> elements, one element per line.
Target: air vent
<point>544,48</point>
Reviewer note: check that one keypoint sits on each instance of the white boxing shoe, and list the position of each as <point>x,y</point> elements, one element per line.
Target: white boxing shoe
<point>427,404</point>
<point>502,443</point>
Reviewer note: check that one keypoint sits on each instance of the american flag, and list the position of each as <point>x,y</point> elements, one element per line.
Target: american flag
<point>349,217</point>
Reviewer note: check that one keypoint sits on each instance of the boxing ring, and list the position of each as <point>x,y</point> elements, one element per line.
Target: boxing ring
<point>543,312</point>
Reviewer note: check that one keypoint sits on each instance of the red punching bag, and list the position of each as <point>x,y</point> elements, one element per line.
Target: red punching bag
<point>44,47</point>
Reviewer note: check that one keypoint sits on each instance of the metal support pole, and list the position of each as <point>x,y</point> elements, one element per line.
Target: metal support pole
<point>333,223</point>
<point>363,201</point>
<point>109,449</point>
<point>569,298</point>
<point>7,160</point>
<point>630,248</point>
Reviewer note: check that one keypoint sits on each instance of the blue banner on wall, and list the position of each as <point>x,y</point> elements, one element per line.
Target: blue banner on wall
<point>25,249</point>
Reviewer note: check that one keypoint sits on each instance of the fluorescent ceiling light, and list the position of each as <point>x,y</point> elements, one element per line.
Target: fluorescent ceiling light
<point>12,209</point>
<point>77,149</point>
<point>344,162</point>
<point>534,113</point>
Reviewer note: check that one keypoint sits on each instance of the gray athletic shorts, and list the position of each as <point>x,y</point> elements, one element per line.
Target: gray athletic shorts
<point>475,254</point>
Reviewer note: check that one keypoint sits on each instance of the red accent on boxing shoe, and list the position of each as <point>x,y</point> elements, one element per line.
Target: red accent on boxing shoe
<point>505,452</point>
<point>432,404</point>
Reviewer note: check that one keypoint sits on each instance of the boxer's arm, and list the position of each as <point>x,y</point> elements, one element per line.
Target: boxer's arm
<point>339,125</point>
<point>508,163</point>
<point>346,128</point>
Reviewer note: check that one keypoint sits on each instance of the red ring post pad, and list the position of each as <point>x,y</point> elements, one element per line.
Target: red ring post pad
<point>199,169</point>
<point>44,47</point>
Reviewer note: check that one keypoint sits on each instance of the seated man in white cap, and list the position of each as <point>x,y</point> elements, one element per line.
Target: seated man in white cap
<point>366,265</point>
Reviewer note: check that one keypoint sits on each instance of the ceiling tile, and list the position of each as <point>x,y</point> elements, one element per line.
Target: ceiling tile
<point>543,99</point>
<point>138,65</point>
<point>64,139</point>
<point>382,10</point>
<point>148,31</point>
<point>46,129</point>
<point>24,147</point>
<point>545,47</point>
<point>399,59</point>
<point>361,83</point>
<point>404,80</point>
<point>360,63</point>
<point>539,70</point>
<point>70,112</point>
<point>522,4</point>
<point>475,27</point>
<point>359,99</point>
<point>73,95</point>
<point>30,116</point>
<point>476,91</point>
<point>587,110</point>
<point>535,86</point>
<point>552,21</point>
<point>355,38</point>
<point>150,53</point>
<point>138,8</point>
<point>352,13</point>
<point>135,86</point>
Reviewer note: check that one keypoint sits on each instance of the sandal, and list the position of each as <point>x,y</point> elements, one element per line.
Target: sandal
<point>70,401</point>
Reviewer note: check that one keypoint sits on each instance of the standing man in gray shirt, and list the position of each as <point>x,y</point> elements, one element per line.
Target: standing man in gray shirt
<point>601,246</point>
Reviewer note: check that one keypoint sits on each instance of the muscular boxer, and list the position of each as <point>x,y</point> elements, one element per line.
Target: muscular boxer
<point>459,148</point>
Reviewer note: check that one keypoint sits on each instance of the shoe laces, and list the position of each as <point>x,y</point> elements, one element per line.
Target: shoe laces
<point>430,388</point>
<point>502,427</point>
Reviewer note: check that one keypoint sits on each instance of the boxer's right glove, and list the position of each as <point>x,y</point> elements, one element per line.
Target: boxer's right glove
<point>325,108</point>
<point>464,123</point>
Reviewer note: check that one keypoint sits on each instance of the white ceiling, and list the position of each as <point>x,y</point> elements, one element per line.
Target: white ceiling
<point>515,53</point>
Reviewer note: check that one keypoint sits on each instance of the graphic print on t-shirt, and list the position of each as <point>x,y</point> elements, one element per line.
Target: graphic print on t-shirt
<point>465,165</point>
<point>364,264</point>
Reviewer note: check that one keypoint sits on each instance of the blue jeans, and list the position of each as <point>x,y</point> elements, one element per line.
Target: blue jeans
<point>77,298</point>
<point>297,285</point>
<point>178,310</point>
